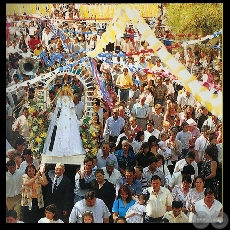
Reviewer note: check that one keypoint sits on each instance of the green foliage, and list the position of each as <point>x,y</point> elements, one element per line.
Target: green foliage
<point>194,18</point>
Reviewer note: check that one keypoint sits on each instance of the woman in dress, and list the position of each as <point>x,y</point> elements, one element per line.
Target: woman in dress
<point>209,167</point>
<point>196,193</point>
<point>63,136</point>
<point>97,126</point>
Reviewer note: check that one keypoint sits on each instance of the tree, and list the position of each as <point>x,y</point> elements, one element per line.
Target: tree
<point>199,19</point>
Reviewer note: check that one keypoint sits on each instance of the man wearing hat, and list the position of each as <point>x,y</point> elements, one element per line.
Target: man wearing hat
<point>111,174</point>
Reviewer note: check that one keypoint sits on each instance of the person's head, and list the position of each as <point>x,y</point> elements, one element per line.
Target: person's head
<point>31,170</point>
<point>27,155</point>
<point>99,175</point>
<point>18,159</point>
<point>163,136</point>
<point>138,172</point>
<point>59,169</point>
<point>115,113</point>
<point>209,196</point>
<point>184,126</point>
<point>173,132</point>
<point>112,146</point>
<point>211,152</point>
<point>153,163</point>
<point>19,144</point>
<point>143,198</point>
<point>144,147</point>
<point>125,193</point>
<point>199,182</point>
<point>213,139</point>
<point>11,166</point>
<point>31,93</point>
<point>94,160</point>
<point>129,174</point>
<point>120,220</point>
<point>166,125</point>
<point>140,136</point>
<point>11,216</point>
<point>150,126</point>
<point>110,165</point>
<point>190,157</point>
<point>156,182</point>
<point>25,112</point>
<point>87,217</point>
<point>105,148</point>
<point>16,78</point>
<point>88,164</point>
<point>188,170</point>
<point>125,145</point>
<point>10,153</point>
<point>177,206</point>
<point>186,181</point>
<point>51,212</point>
<point>90,198</point>
<point>158,108</point>
<point>160,160</point>
<point>152,141</point>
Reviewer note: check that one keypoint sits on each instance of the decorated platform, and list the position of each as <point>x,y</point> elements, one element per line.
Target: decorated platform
<point>74,160</point>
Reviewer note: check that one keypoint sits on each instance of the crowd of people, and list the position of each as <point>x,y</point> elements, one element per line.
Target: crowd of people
<point>159,151</point>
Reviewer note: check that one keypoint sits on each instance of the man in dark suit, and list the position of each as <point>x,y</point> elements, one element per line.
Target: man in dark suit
<point>59,191</point>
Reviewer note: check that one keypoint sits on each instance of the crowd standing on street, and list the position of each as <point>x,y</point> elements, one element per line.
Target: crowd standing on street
<point>150,129</point>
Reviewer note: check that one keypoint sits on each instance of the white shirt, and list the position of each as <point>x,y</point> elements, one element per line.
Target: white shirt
<point>21,124</point>
<point>113,177</point>
<point>210,215</point>
<point>99,209</point>
<point>46,220</point>
<point>13,183</point>
<point>147,134</point>
<point>181,163</point>
<point>157,205</point>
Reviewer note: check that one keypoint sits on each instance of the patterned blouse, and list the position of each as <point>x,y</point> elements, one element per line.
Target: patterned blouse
<point>192,197</point>
<point>27,192</point>
<point>178,194</point>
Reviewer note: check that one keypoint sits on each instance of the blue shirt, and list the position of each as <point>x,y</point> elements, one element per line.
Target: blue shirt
<point>123,161</point>
<point>135,187</point>
<point>118,206</point>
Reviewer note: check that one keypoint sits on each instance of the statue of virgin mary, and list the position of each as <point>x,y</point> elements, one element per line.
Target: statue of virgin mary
<point>63,135</point>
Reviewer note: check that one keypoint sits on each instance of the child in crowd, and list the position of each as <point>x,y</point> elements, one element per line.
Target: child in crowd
<point>87,217</point>
<point>51,215</point>
<point>163,148</point>
<point>135,213</point>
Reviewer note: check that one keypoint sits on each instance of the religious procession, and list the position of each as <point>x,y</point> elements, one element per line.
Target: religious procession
<point>114,113</point>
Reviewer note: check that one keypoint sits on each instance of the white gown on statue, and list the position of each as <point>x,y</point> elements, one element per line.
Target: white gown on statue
<point>67,140</point>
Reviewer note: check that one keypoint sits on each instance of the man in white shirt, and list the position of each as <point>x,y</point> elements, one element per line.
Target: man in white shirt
<point>111,174</point>
<point>189,159</point>
<point>13,187</point>
<point>208,209</point>
<point>21,124</point>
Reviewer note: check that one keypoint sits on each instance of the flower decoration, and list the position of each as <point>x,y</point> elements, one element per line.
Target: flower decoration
<point>89,137</point>
<point>38,121</point>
